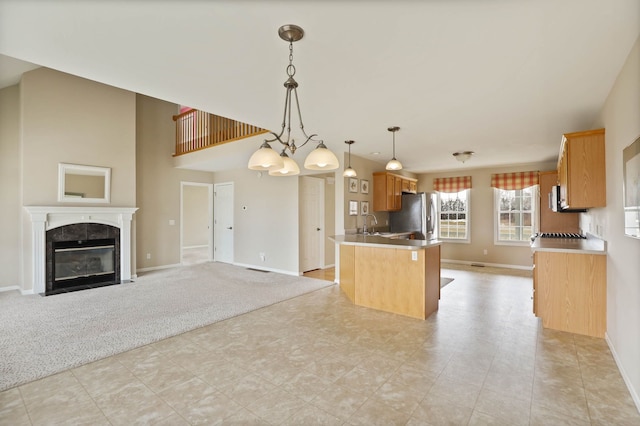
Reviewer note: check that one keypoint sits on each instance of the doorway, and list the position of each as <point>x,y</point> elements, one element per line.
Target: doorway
<point>196,216</point>
<point>223,222</point>
<point>312,224</point>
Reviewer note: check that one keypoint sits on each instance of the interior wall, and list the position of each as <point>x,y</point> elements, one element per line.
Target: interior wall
<point>195,207</point>
<point>265,219</point>
<point>158,184</point>
<point>365,169</point>
<point>620,118</point>
<point>67,119</point>
<point>482,218</point>
<point>10,213</point>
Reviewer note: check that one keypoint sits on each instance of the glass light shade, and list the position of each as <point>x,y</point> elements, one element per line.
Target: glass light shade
<point>265,158</point>
<point>349,172</point>
<point>321,159</point>
<point>394,164</point>
<point>290,168</point>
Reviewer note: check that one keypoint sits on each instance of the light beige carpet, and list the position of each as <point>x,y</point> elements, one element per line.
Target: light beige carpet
<point>40,336</point>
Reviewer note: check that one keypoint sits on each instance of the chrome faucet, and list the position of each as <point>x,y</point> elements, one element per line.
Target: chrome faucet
<point>364,227</point>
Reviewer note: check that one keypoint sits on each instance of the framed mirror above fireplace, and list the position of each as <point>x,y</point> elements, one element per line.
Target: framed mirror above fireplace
<point>83,184</point>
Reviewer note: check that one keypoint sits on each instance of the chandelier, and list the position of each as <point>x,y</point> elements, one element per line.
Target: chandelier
<point>266,158</point>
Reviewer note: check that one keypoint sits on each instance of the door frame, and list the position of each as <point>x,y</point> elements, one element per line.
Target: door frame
<point>215,186</point>
<point>321,242</point>
<point>209,216</point>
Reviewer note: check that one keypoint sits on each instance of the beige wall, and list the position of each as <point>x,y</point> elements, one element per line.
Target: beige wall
<point>66,119</point>
<point>482,218</point>
<point>620,117</point>
<point>158,184</point>
<point>11,211</point>
<point>365,169</point>
<point>195,207</point>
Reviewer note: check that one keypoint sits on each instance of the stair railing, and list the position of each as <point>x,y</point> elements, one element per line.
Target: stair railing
<point>196,130</point>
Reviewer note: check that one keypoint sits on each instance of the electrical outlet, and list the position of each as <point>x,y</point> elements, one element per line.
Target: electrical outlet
<point>414,255</point>
<point>485,252</point>
<point>172,222</point>
<point>148,255</point>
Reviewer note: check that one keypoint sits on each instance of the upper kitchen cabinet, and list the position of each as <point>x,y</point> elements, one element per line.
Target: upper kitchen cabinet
<point>581,170</point>
<point>388,189</point>
<point>551,221</point>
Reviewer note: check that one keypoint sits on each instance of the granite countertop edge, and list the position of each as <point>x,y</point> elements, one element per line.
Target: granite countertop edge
<point>589,245</point>
<point>383,242</point>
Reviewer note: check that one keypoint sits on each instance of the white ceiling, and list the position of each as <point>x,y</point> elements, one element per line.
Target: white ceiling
<point>503,78</point>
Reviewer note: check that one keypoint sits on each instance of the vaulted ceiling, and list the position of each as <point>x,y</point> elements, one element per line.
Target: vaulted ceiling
<point>502,78</point>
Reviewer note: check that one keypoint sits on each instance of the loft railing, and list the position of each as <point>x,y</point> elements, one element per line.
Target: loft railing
<point>196,130</point>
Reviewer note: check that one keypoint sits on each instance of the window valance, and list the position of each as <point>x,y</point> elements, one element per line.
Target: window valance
<point>516,180</point>
<point>452,184</point>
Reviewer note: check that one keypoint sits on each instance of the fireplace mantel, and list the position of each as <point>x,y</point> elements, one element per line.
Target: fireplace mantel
<point>44,218</point>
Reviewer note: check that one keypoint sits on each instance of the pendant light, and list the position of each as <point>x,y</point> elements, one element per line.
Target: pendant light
<point>394,164</point>
<point>266,158</point>
<point>349,172</point>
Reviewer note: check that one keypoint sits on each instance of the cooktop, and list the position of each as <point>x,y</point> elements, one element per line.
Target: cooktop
<point>561,235</point>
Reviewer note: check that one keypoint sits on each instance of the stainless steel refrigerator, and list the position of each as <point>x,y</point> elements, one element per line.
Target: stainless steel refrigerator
<point>418,215</point>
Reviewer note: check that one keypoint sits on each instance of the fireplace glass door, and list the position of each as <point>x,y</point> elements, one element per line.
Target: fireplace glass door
<point>83,262</point>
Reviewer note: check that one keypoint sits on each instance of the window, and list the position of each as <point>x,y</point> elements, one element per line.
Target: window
<point>515,214</point>
<point>453,215</point>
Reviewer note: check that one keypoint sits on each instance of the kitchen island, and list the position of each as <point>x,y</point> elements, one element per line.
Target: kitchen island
<point>393,275</point>
<point>570,284</point>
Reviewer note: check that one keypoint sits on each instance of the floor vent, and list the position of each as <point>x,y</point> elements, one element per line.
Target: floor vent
<point>257,270</point>
<point>479,265</point>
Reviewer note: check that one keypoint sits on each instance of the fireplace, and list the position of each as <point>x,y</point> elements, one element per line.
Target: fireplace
<point>81,256</point>
<point>102,235</point>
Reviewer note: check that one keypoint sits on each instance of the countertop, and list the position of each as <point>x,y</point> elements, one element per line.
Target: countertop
<point>590,245</point>
<point>383,242</point>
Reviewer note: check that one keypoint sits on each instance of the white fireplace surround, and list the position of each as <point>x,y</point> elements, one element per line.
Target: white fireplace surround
<point>44,218</point>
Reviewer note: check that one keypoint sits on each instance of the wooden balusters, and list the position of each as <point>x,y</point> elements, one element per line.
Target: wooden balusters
<point>196,130</point>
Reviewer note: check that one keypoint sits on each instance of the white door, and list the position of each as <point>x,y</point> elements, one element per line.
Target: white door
<point>223,222</point>
<point>311,223</point>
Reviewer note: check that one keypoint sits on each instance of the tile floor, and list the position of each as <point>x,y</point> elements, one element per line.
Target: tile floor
<point>317,359</point>
<point>327,274</point>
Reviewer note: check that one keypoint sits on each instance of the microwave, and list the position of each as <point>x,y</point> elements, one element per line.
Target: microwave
<point>555,203</point>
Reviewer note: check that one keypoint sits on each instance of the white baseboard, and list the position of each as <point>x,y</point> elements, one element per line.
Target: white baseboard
<point>495,265</point>
<point>329,266</point>
<point>155,268</point>
<point>195,247</point>
<point>623,373</point>
<point>9,288</point>
<point>263,268</point>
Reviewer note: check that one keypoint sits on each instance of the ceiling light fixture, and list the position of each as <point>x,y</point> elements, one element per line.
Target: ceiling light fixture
<point>266,158</point>
<point>349,172</point>
<point>394,164</point>
<point>463,156</point>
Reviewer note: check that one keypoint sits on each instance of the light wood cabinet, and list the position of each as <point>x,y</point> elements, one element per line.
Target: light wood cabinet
<point>581,170</point>
<point>570,292</point>
<point>405,282</point>
<point>551,221</point>
<point>388,189</point>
